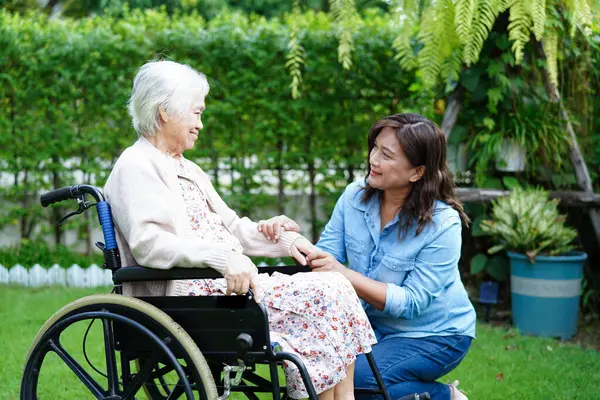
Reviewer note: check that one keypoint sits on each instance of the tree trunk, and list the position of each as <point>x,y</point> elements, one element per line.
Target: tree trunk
<point>280,176</point>
<point>214,158</point>
<point>581,171</point>
<point>56,210</point>
<point>244,209</point>
<point>232,174</point>
<point>312,200</point>
<point>25,234</point>
<point>50,6</point>
<point>350,170</point>
<point>452,109</point>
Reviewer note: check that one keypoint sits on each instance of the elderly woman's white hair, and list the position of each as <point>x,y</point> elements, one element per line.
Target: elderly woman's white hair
<point>166,84</point>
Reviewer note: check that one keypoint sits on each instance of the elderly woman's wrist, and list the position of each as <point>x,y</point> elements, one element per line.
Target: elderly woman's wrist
<point>219,259</point>
<point>287,239</point>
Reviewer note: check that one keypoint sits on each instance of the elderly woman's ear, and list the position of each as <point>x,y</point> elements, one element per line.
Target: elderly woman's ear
<point>164,116</point>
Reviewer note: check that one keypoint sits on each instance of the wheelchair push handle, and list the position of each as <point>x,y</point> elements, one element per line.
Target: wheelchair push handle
<point>69,193</point>
<point>57,196</point>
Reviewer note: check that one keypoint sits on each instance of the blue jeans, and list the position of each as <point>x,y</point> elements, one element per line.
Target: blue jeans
<point>411,366</point>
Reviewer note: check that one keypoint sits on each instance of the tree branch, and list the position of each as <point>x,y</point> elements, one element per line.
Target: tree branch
<point>452,109</point>
<point>567,198</point>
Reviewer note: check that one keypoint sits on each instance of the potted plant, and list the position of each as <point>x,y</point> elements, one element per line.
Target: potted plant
<point>511,156</point>
<point>545,270</point>
<point>516,141</point>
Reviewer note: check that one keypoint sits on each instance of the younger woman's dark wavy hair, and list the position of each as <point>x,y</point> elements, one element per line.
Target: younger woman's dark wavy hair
<point>424,144</point>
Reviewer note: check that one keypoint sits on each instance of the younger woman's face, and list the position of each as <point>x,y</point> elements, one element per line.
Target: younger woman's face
<point>390,168</point>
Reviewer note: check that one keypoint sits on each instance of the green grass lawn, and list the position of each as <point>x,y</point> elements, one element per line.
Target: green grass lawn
<point>500,365</point>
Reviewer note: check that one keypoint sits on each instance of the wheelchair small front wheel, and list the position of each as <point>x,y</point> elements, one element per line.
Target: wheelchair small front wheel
<point>165,345</point>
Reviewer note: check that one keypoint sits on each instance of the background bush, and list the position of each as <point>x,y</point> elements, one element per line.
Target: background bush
<point>64,86</point>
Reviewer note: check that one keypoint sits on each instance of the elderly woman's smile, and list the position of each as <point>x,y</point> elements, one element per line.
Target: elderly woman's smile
<point>177,132</point>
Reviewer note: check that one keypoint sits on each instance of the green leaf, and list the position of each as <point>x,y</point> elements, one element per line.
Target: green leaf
<point>489,123</point>
<point>496,248</point>
<point>478,263</point>
<point>492,183</point>
<point>470,79</point>
<point>459,132</point>
<point>476,230</point>
<point>510,182</point>
<point>498,268</point>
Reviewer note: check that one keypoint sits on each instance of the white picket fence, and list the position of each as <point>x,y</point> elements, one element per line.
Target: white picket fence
<point>37,275</point>
<point>93,276</point>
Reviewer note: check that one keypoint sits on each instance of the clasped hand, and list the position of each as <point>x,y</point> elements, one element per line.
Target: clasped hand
<point>272,229</point>
<point>241,274</point>
<point>317,260</point>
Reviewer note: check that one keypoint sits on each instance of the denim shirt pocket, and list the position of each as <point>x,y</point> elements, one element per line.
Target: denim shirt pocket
<point>355,252</point>
<point>394,269</point>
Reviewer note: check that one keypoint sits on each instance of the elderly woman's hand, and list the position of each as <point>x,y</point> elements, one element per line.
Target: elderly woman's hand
<point>322,261</point>
<point>271,228</point>
<point>241,274</point>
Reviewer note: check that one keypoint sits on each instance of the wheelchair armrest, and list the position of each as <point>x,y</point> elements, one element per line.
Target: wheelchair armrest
<point>143,274</point>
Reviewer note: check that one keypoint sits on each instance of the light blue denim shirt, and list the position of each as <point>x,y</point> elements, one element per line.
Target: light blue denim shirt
<point>425,295</point>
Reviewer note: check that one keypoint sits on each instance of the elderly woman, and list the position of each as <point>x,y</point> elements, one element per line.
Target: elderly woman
<point>168,214</point>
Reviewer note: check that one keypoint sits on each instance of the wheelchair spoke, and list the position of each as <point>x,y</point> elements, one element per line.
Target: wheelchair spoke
<point>177,391</point>
<point>159,373</point>
<point>249,395</point>
<point>81,373</point>
<point>111,359</point>
<point>140,378</point>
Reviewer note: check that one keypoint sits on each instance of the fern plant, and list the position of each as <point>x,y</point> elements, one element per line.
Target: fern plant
<point>436,37</point>
<point>295,58</point>
<point>527,222</point>
<point>450,32</point>
<point>343,13</point>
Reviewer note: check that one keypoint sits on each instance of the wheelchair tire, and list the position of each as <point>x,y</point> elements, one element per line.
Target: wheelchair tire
<point>121,308</point>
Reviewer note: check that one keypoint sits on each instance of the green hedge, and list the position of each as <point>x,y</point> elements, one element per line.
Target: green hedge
<point>64,86</point>
<point>31,252</point>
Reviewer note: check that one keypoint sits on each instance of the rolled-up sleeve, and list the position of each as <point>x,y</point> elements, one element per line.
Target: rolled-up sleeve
<point>436,267</point>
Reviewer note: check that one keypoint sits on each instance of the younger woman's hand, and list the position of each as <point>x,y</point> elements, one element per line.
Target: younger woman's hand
<point>299,248</point>
<point>322,261</point>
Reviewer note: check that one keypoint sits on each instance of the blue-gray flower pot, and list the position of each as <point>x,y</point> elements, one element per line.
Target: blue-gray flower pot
<point>545,294</point>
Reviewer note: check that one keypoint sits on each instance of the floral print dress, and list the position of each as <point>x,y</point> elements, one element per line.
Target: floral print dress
<point>316,316</point>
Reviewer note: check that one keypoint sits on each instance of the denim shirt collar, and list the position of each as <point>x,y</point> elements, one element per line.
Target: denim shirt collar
<point>371,214</point>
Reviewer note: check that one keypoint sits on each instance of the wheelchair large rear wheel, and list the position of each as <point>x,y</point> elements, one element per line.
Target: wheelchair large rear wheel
<point>170,350</point>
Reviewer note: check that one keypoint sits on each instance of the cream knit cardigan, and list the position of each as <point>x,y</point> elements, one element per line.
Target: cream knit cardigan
<point>153,228</point>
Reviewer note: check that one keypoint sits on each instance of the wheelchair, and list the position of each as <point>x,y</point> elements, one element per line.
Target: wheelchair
<point>205,347</point>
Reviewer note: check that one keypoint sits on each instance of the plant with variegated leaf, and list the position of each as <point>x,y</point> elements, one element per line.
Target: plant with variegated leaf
<point>527,221</point>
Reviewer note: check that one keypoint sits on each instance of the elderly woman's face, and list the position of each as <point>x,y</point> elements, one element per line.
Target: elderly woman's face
<point>180,133</point>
